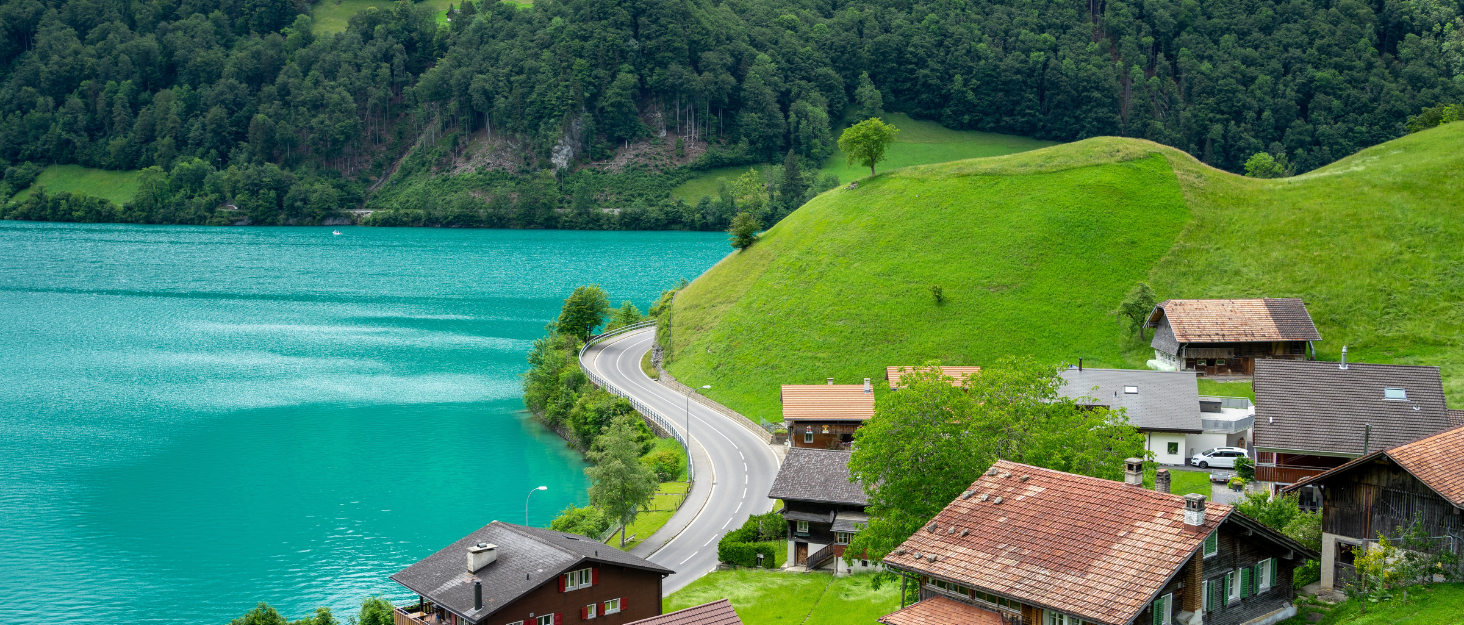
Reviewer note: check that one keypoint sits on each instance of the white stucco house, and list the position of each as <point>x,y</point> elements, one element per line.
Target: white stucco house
<point>1166,406</point>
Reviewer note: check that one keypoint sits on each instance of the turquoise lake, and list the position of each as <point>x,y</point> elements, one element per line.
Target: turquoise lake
<point>194,420</point>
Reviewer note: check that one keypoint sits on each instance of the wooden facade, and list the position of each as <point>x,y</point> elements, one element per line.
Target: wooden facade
<point>1238,358</point>
<point>1284,468</point>
<point>819,533</point>
<point>823,434</point>
<point>639,592</point>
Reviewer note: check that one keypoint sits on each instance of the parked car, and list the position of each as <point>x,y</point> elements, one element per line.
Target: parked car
<point>1218,457</point>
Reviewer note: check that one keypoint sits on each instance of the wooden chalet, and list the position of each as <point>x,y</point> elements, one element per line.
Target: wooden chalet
<point>825,416</point>
<point>958,375</point>
<point>1227,336</point>
<point>1312,416</point>
<point>823,508</point>
<point>506,574</point>
<point>1383,494</point>
<point>1032,546</point>
<point>718,612</point>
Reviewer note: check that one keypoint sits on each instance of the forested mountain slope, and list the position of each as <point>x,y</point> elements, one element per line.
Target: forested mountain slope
<point>1033,250</point>
<point>299,125</point>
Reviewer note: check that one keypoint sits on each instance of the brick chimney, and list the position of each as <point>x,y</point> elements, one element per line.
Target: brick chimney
<point>1133,472</point>
<point>481,555</point>
<point>1194,509</point>
<point>1161,481</point>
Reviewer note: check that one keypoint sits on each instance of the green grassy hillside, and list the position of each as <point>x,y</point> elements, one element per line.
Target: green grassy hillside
<point>919,143</point>
<point>117,186</point>
<point>1031,251</point>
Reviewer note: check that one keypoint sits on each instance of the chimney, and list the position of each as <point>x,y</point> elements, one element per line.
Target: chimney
<point>1343,364</point>
<point>481,555</point>
<point>477,594</point>
<point>1161,481</point>
<point>1133,472</point>
<point>868,388</point>
<point>831,381</point>
<point>1194,509</point>
<point>1080,364</point>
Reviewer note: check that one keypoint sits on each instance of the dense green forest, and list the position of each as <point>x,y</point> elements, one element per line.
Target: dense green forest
<point>243,111</point>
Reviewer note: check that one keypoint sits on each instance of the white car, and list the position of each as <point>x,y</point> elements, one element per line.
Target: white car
<point>1218,457</point>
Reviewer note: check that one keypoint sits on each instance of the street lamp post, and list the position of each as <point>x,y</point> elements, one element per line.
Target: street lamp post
<point>526,502</point>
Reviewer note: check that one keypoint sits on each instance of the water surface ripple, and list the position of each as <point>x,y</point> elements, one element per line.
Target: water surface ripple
<point>193,420</point>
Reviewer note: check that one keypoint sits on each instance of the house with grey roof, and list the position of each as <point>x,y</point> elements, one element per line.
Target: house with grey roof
<point>1166,406</point>
<point>505,574</point>
<point>1312,416</point>
<point>823,508</point>
<point>1226,337</point>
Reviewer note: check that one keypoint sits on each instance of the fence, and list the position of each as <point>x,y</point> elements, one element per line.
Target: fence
<point>651,415</point>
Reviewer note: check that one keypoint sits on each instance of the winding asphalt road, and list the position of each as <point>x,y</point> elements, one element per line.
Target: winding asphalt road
<point>734,468</point>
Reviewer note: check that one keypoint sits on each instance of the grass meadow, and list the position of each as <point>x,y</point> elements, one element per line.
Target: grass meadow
<point>1033,249</point>
<point>117,186</point>
<point>919,143</point>
<point>1435,604</point>
<point>778,598</point>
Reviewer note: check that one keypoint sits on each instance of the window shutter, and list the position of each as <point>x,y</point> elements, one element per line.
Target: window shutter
<point>1212,543</point>
<point>585,613</point>
<point>622,604</point>
<point>1273,571</point>
<point>558,619</point>
<point>595,576</point>
<point>1245,582</point>
<point>1226,597</point>
<point>561,581</point>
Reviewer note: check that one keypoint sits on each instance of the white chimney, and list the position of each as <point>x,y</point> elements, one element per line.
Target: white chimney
<point>1194,509</point>
<point>868,388</point>
<point>1343,364</point>
<point>1133,472</point>
<point>481,555</point>
<point>831,381</point>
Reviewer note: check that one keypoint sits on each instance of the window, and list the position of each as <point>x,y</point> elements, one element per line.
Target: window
<point>1232,587</point>
<point>1247,582</point>
<point>1131,390</point>
<point>1173,448</point>
<point>590,611</point>
<point>1212,544</point>
<point>575,580</point>
<point>1163,607</point>
<point>612,607</point>
<point>841,538</point>
<point>808,434</point>
<point>1057,618</point>
<point>1264,571</point>
<point>1396,394</point>
<point>803,527</point>
<point>864,563</point>
<point>547,619</point>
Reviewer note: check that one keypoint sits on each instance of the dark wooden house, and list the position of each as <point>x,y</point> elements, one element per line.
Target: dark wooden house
<point>958,375</point>
<point>1035,546</point>
<point>825,416</point>
<point>822,507</point>
<point>1384,494</point>
<point>1312,416</point>
<point>1227,336</point>
<point>506,574</point>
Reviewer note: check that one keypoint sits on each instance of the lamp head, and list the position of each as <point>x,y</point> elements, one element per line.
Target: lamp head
<point>543,488</point>
<point>706,386</point>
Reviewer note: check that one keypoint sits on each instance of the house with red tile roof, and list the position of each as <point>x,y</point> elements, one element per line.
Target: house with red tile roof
<point>1384,493</point>
<point>718,612</point>
<point>1037,546</point>
<point>825,416</point>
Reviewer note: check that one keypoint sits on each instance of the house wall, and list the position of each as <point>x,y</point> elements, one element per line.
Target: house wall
<point>826,435</point>
<point>1236,550</point>
<point>1380,498</point>
<point>819,535</point>
<point>1196,443</point>
<point>639,590</point>
<point>1158,443</point>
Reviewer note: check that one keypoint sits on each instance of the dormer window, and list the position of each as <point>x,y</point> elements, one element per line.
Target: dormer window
<point>1395,394</point>
<point>1130,390</point>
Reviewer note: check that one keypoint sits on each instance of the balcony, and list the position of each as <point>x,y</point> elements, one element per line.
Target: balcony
<point>411,616</point>
<point>1226,415</point>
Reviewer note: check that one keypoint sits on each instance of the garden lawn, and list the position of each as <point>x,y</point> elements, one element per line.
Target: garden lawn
<point>919,143</point>
<point>1032,251</point>
<point>117,186</point>
<point>663,505</point>
<point>775,597</point>
<point>1227,389</point>
<point>1182,482</point>
<point>1438,604</point>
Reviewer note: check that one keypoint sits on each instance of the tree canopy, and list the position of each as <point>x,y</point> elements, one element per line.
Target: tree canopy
<point>583,311</point>
<point>865,142</point>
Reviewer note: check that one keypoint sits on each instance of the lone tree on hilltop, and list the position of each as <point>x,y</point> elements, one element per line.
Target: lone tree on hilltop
<point>583,312</point>
<point>1137,305</point>
<point>744,230</point>
<point>1263,165</point>
<point>865,142</point>
<point>620,483</point>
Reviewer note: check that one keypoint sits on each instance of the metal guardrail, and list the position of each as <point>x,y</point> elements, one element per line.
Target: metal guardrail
<point>648,412</point>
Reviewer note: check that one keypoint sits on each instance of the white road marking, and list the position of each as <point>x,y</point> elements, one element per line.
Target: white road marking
<point>689,557</point>
<point>739,507</point>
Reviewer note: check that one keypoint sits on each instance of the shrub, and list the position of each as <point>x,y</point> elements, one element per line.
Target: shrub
<point>1310,571</point>
<point>585,521</point>
<point>762,533</point>
<point>1245,468</point>
<point>1433,116</point>
<point>666,464</point>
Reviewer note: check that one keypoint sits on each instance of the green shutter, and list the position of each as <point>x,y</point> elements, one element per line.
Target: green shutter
<point>1245,582</point>
<point>1273,572</point>
<point>1158,610</point>
<point>1217,597</point>
<point>1225,598</point>
<point>1212,543</point>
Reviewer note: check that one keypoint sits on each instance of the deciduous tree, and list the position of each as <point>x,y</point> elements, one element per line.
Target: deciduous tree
<point>583,311</point>
<point>620,484</point>
<point>865,142</point>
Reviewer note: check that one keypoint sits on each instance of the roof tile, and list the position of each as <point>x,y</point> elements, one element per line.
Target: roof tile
<point>1317,406</point>
<point>817,475</point>
<point>1237,320</point>
<point>940,610</point>
<point>718,612</point>
<point>834,402</point>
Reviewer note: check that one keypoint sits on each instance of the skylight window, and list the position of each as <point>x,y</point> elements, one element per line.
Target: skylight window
<point>1131,390</point>
<point>1395,393</point>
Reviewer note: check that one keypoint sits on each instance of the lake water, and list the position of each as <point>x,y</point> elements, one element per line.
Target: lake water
<point>194,420</point>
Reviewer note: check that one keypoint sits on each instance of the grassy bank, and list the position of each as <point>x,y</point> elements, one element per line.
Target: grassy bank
<point>919,143</point>
<point>663,505</point>
<point>1438,604</point>
<point>1032,250</point>
<point>775,597</point>
<point>117,186</point>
